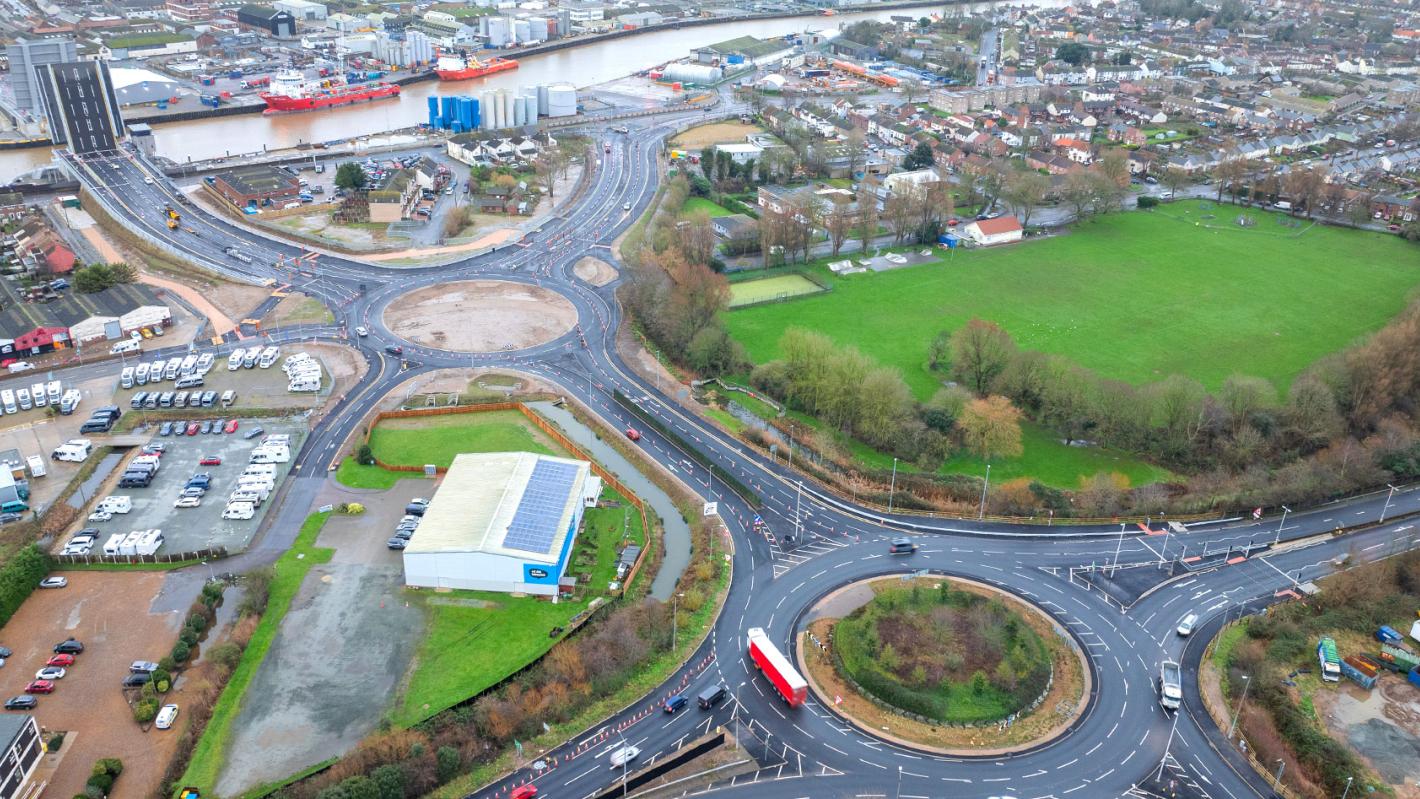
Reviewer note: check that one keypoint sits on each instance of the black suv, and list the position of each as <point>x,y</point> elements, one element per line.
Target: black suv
<point>137,680</point>
<point>22,702</point>
<point>68,646</point>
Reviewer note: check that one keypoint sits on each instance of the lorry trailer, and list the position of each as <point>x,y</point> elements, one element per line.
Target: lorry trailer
<point>768,659</point>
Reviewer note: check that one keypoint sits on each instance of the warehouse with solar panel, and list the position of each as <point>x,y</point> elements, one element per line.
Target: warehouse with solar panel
<point>502,521</point>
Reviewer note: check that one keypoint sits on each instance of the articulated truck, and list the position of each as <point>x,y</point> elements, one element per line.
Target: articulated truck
<point>767,658</point>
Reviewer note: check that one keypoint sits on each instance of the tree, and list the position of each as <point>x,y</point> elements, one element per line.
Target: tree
<point>350,176</point>
<point>1106,193</point>
<point>1174,179</point>
<point>1078,192</point>
<point>897,213</point>
<point>1114,165</point>
<point>1073,53</point>
<point>920,158</point>
<point>837,221</point>
<point>980,351</point>
<point>1305,187</point>
<point>1226,173</point>
<point>991,428</point>
<point>867,214</point>
<point>1242,396</point>
<point>855,147</point>
<point>389,781</point>
<point>696,237</point>
<point>1023,190</point>
<point>448,761</point>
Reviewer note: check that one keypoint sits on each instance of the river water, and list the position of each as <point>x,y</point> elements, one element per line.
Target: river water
<point>587,65</point>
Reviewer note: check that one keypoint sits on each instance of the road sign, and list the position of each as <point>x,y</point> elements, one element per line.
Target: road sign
<point>712,508</point>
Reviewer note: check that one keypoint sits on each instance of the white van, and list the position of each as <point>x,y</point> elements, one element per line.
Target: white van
<point>249,495</point>
<point>228,397</point>
<point>238,510</point>
<point>36,464</point>
<point>116,504</point>
<point>55,392</point>
<point>22,395</point>
<point>188,365</point>
<point>7,398</point>
<point>126,377</point>
<point>155,372</point>
<point>127,345</point>
<point>71,452</point>
<point>234,361</point>
<point>1185,627</point>
<point>37,395</point>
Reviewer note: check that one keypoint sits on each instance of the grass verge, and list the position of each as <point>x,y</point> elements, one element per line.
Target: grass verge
<point>437,439</point>
<point>290,570</point>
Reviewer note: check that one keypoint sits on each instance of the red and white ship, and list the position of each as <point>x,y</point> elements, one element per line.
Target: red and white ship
<point>291,91</point>
<point>460,67</point>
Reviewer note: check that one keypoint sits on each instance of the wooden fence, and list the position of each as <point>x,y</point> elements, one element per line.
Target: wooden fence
<point>552,432</point>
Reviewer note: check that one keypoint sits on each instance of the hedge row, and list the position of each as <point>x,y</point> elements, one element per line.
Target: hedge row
<point>19,576</point>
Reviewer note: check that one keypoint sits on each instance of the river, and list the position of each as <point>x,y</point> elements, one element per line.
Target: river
<point>587,65</point>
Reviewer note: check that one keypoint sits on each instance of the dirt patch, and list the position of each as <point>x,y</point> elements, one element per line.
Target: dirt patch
<point>297,309</point>
<point>112,614</point>
<point>1063,703</point>
<point>1382,726</point>
<point>481,316</point>
<point>594,271</point>
<point>698,138</point>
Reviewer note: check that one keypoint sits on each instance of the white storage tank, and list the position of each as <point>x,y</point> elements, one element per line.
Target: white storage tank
<point>530,98</point>
<point>522,32</point>
<point>487,113</point>
<point>561,100</point>
<point>537,29</point>
<point>505,113</point>
<point>692,73</point>
<point>542,100</point>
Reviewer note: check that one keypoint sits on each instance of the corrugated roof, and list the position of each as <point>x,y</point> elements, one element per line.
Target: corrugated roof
<point>482,495</point>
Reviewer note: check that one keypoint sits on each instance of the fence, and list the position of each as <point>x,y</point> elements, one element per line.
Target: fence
<point>214,553</point>
<point>552,432</point>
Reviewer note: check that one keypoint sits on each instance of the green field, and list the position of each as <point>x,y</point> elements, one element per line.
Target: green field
<point>1135,296</point>
<point>782,286</point>
<point>701,204</point>
<point>477,638</point>
<point>437,439</point>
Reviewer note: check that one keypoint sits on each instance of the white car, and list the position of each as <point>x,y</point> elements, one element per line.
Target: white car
<point>54,582</point>
<point>50,673</point>
<point>148,180</point>
<point>361,332</point>
<point>166,717</point>
<point>100,516</point>
<point>624,755</point>
<point>187,502</point>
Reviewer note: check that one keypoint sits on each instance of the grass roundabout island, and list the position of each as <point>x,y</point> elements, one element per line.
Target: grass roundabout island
<point>944,664</point>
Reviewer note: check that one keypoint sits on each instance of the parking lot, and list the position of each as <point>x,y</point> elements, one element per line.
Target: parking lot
<point>261,388</point>
<point>113,616</point>
<point>187,529</point>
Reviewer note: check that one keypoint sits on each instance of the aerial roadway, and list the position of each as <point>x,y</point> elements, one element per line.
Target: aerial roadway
<point>1123,739</point>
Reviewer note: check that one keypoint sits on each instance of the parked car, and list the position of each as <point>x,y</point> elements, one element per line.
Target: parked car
<point>60,660</point>
<point>210,460</point>
<point>397,543</point>
<point>192,428</point>
<point>207,426</point>
<point>21,703</point>
<point>166,717</point>
<point>230,427</point>
<point>137,680</point>
<point>166,429</point>
<point>253,433</point>
<point>54,582</point>
<point>100,516</point>
<point>40,687</point>
<point>143,667</point>
<point>188,502</point>
<point>68,646</point>
<point>50,673</point>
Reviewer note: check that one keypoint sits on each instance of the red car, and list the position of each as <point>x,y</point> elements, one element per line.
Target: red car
<point>523,792</point>
<point>210,460</point>
<point>60,660</point>
<point>231,426</point>
<point>633,434</point>
<point>40,687</point>
<point>192,428</point>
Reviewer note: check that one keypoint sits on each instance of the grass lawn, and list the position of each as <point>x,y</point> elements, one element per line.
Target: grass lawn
<point>701,204</point>
<point>1135,296</point>
<point>477,638</point>
<point>1048,460</point>
<point>437,439</point>
<point>291,569</point>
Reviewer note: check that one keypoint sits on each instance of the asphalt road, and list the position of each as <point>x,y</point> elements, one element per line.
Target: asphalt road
<point>1122,739</point>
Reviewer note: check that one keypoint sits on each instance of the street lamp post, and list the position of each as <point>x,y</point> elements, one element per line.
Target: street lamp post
<point>675,617</point>
<point>1277,781</point>
<point>899,782</point>
<point>1286,510</point>
<point>1386,509</point>
<point>623,761</point>
<point>1163,761</point>
<point>892,489</point>
<point>1346,792</point>
<point>1234,725</point>
<point>984,486</point>
<point>1119,545</point>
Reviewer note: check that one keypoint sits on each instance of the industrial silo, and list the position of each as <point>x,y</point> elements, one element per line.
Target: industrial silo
<point>561,100</point>
<point>542,99</point>
<point>488,110</point>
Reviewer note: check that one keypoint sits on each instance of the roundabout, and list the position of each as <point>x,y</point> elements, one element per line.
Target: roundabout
<point>943,664</point>
<point>480,316</point>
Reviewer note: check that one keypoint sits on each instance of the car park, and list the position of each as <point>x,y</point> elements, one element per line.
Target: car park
<point>25,702</point>
<point>54,582</point>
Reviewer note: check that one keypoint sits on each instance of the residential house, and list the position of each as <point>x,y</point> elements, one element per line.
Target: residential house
<point>988,232</point>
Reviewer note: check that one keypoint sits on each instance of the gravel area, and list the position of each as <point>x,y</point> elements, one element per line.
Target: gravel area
<point>481,316</point>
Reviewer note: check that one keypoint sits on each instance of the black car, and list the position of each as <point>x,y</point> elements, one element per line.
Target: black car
<point>397,543</point>
<point>404,535</point>
<point>68,646</point>
<point>394,349</point>
<point>22,702</point>
<point>217,427</point>
<point>5,652</point>
<point>207,426</point>
<point>253,433</point>
<point>166,429</point>
<point>137,680</point>
<point>6,518</point>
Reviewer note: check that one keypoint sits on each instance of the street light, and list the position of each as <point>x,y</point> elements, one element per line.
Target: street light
<point>1234,725</point>
<point>892,490</point>
<point>675,617</point>
<point>1348,787</point>
<point>982,513</point>
<point>1277,783</point>
<point>1387,501</point>
<point>1286,510</point>
<point>624,758</point>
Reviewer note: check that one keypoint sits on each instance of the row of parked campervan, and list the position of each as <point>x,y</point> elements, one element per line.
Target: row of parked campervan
<point>186,371</point>
<point>137,542</point>
<point>257,482</point>
<point>258,356</point>
<point>37,396</point>
<point>303,373</point>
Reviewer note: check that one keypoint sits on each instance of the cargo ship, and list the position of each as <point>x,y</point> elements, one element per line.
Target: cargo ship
<point>458,67</point>
<point>291,91</point>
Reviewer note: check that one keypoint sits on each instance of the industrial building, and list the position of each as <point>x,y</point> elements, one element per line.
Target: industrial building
<point>302,10</point>
<point>268,20</point>
<point>502,521</point>
<point>141,86</point>
<point>21,755</point>
<point>26,54</point>
<point>247,184</point>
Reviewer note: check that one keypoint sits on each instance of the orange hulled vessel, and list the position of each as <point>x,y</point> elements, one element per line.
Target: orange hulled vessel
<point>460,67</point>
<point>291,91</point>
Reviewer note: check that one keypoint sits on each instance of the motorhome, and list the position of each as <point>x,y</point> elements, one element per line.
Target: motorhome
<point>234,361</point>
<point>114,543</point>
<point>204,362</point>
<point>268,357</point>
<point>140,374</point>
<point>37,467</point>
<point>238,510</point>
<point>55,392</point>
<point>37,395</point>
<point>228,397</point>
<point>127,345</point>
<point>116,504</point>
<point>171,369</point>
<point>70,401</point>
<point>22,395</point>
<point>250,358</point>
<point>188,364</point>
<point>125,378</point>
<point>7,398</point>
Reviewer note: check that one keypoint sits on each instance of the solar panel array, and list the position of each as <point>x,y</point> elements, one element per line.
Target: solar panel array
<point>535,523</point>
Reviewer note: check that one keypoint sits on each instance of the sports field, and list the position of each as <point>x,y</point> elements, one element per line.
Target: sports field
<point>781,287</point>
<point>1135,296</point>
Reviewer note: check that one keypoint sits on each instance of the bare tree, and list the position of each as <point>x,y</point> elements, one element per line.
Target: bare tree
<point>1114,164</point>
<point>1023,190</point>
<point>867,214</point>
<point>696,237</point>
<point>980,352</point>
<point>1174,179</point>
<point>856,150</point>
<point>897,213</point>
<point>1079,193</point>
<point>1226,173</point>
<point>837,221</point>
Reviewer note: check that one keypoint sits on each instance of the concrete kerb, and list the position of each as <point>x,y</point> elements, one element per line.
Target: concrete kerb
<point>1051,736</point>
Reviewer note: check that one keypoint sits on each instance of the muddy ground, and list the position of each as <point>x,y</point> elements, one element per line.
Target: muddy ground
<point>481,316</point>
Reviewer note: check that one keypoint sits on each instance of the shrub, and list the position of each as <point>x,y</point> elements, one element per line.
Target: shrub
<point>167,664</point>
<point>258,590</point>
<point>196,622</point>
<point>181,651</point>
<point>101,782</point>
<point>365,456</point>
<point>55,741</point>
<point>447,762</point>
<point>1147,201</point>
<point>187,636</point>
<point>144,711</point>
<point>351,508</point>
<point>225,654</point>
<point>18,577</point>
<point>162,681</point>
<point>211,594</point>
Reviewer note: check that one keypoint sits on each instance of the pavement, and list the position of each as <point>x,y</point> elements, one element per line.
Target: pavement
<point>1122,738</point>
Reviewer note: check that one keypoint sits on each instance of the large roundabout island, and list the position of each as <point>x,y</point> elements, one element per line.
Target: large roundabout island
<point>944,664</point>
